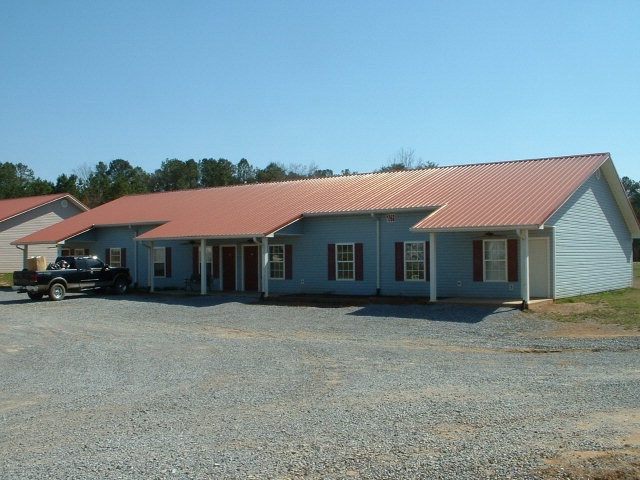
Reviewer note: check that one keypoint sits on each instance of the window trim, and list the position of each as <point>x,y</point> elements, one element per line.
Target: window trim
<point>505,261</point>
<point>282,262</point>
<point>407,261</point>
<point>352,262</point>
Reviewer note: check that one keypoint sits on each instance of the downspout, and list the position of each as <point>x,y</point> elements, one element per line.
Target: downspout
<point>433,270</point>
<point>265,267</point>
<point>25,254</point>
<point>203,267</point>
<point>377,218</point>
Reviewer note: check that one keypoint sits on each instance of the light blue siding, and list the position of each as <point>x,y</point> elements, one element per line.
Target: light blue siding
<point>455,269</point>
<point>593,247</point>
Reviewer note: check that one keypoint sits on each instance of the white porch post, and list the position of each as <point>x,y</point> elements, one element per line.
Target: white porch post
<point>265,267</point>
<point>203,267</point>
<point>433,277</point>
<point>25,255</point>
<point>524,265</point>
<point>150,266</point>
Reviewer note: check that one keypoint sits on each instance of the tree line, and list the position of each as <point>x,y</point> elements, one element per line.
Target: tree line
<point>105,182</point>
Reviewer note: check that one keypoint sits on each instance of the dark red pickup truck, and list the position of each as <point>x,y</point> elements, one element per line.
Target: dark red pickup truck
<point>71,274</point>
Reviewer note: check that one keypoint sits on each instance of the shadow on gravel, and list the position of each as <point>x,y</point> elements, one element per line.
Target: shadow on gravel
<point>434,313</point>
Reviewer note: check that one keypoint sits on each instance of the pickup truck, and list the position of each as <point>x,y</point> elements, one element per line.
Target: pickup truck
<point>71,274</point>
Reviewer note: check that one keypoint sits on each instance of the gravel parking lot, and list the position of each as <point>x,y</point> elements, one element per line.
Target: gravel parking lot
<point>189,387</point>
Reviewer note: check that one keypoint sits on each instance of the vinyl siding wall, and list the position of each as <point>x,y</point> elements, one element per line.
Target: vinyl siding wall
<point>11,258</point>
<point>593,247</point>
<point>310,262</point>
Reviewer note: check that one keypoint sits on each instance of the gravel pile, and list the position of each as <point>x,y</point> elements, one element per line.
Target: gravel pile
<point>220,387</point>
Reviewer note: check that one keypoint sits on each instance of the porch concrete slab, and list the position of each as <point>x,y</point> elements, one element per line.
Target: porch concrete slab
<point>498,302</point>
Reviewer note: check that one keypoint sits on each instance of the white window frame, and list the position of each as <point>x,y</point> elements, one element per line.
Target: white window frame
<point>277,259</point>
<point>115,252</point>
<point>408,259</point>
<point>486,250</point>
<point>351,262</point>
<point>208,253</point>
<point>163,262</point>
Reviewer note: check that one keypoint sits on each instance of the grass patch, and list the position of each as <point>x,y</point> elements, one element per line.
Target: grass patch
<point>621,307</point>
<point>6,279</point>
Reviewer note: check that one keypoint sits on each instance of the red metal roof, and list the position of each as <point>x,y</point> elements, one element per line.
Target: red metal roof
<point>511,194</point>
<point>12,207</point>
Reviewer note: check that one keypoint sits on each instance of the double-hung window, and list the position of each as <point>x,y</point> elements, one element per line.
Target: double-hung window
<point>345,261</point>
<point>495,260</point>
<point>115,257</point>
<point>159,262</point>
<point>414,260</point>
<point>276,262</point>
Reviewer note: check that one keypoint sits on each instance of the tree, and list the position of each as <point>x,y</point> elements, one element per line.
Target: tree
<point>124,179</point>
<point>632,189</point>
<point>175,174</point>
<point>245,173</point>
<point>68,184</point>
<point>18,180</point>
<point>214,173</point>
<point>274,172</point>
<point>406,160</point>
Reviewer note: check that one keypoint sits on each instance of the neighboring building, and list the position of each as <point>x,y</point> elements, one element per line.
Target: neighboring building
<point>23,216</point>
<point>548,228</point>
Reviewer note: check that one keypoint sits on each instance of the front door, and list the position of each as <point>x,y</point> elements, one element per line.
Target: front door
<point>539,277</point>
<point>251,266</point>
<point>228,268</point>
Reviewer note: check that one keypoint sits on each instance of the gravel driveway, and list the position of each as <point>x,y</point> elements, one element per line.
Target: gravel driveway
<point>177,387</point>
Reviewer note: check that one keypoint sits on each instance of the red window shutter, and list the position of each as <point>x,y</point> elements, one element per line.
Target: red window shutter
<point>288,262</point>
<point>478,267</point>
<point>512,260</point>
<point>107,256</point>
<point>399,261</point>
<point>331,261</point>
<point>123,257</point>
<point>195,260</point>
<point>359,258</point>
<point>167,259</point>
<point>427,262</point>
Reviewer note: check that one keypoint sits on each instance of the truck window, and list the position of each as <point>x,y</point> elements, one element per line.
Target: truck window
<point>94,263</point>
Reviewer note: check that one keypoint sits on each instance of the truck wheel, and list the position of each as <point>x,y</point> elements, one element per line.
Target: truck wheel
<point>120,285</point>
<point>35,295</point>
<point>56,292</point>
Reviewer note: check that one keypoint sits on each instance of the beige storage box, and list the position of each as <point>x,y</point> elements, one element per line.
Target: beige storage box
<point>37,263</point>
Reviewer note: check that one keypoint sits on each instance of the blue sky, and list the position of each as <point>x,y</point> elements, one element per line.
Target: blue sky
<point>337,84</point>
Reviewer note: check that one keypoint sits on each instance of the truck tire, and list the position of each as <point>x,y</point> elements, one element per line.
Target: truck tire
<point>35,295</point>
<point>57,292</point>
<point>120,285</point>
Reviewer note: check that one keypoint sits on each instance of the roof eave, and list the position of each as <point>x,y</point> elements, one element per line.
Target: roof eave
<point>476,228</point>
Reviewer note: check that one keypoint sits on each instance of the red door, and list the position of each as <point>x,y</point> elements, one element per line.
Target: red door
<point>228,268</point>
<point>251,263</point>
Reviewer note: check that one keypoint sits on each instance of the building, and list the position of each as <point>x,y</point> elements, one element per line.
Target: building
<point>548,228</point>
<point>23,216</point>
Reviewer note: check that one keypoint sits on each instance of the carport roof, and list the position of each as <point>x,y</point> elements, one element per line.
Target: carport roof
<point>515,194</point>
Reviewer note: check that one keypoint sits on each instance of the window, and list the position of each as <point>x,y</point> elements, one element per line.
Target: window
<point>414,261</point>
<point>345,261</point>
<point>115,257</point>
<point>495,260</point>
<point>68,252</point>
<point>159,262</point>
<point>276,261</point>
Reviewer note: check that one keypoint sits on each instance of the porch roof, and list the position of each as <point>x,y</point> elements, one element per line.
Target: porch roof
<point>492,196</point>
